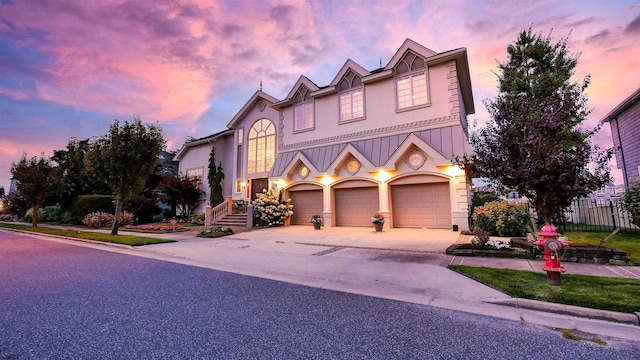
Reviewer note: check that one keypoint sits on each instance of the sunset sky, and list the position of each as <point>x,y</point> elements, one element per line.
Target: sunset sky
<point>68,68</point>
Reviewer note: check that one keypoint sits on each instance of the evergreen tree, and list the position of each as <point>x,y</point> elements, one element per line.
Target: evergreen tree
<point>534,143</point>
<point>77,180</point>
<point>215,177</point>
<point>124,158</point>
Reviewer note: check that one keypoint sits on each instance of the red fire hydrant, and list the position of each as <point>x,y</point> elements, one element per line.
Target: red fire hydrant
<point>551,245</point>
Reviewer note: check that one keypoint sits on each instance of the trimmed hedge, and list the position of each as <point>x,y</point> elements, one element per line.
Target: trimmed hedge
<point>86,204</point>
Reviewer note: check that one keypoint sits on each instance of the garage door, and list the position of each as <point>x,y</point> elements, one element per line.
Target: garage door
<point>355,206</point>
<point>421,205</point>
<point>305,203</point>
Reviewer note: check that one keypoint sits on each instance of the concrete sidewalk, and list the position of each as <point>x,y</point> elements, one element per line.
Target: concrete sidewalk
<point>400,264</point>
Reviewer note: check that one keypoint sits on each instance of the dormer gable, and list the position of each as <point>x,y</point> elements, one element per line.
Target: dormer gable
<point>253,101</point>
<point>409,46</point>
<point>348,66</point>
<point>303,81</point>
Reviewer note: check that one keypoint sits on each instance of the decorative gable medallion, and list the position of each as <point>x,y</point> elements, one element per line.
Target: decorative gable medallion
<point>261,105</point>
<point>415,160</point>
<point>352,166</point>
<point>303,171</point>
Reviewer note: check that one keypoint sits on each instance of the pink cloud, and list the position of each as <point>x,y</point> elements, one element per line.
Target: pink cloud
<point>13,94</point>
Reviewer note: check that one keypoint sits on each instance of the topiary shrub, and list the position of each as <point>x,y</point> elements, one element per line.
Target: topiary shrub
<point>501,218</point>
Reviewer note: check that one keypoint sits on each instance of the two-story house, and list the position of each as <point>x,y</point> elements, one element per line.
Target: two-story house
<point>369,141</point>
<point>624,119</point>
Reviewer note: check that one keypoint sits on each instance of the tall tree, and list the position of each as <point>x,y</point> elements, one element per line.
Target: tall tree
<point>36,179</point>
<point>77,180</point>
<point>534,143</point>
<point>215,177</point>
<point>124,158</point>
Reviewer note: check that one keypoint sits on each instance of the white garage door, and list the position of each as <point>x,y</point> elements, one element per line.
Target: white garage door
<point>421,205</point>
<point>355,206</point>
<point>305,203</point>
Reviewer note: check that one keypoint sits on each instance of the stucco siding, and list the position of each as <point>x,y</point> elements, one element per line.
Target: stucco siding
<point>380,110</point>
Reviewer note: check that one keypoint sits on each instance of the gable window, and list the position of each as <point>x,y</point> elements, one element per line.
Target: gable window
<point>302,110</point>
<point>411,81</point>
<point>351,97</point>
<point>261,146</point>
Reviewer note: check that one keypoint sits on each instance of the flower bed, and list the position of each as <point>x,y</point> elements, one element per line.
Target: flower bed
<point>215,232</point>
<point>165,228</point>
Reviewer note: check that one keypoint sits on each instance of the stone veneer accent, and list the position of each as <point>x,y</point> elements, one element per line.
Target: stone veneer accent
<point>454,91</point>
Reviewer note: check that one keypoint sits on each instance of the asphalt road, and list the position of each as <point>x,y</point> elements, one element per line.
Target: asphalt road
<point>60,301</point>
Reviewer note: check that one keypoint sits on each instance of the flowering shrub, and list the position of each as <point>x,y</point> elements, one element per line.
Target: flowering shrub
<point>215,232</point>
<point>377,218</point>
<point>8,217</point>
<point>271,209</point>
<point>502,218</point>
<point>98,219</point>
<point>155,227</point>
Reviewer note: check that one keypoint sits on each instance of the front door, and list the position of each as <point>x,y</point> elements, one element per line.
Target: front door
<point>257,186</point>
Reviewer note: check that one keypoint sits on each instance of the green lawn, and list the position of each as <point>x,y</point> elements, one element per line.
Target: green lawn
<point>597,292</point>
<point>87,235</point>
<point>627,242</point>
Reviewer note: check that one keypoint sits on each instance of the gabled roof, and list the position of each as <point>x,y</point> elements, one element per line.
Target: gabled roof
<point>204,140</point>
<point>302,80</point>
<point>406,45</point>
<point>349,64</point>
<point>257,96</point>
<point>624,105</point>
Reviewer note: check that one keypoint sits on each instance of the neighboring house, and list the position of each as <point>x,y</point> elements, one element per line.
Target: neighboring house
<point>369,141</point>
<point>624,120</point>
<point>605,195</point>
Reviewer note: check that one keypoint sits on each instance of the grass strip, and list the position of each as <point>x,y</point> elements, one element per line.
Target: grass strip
<point>596,292</point>
<point>627,242</point>
<point>88,235</point>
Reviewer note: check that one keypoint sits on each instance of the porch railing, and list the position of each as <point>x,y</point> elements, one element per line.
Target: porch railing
<point>213,214</point>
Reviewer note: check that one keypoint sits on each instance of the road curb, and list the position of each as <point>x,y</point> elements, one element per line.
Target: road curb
<point>612,316</point>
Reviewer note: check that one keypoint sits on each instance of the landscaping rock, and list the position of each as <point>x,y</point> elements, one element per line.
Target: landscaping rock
<point>576,252</point>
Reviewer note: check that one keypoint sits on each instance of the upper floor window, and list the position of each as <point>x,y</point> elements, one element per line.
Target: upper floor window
<point>411,81</point>
<point>351,97</point>
<point>302,110</point>
<point>261,145</point>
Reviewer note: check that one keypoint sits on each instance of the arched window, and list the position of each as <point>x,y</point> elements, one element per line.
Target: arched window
<point>351,97</point>
<point>302,109</point>
<point>411,81</point>
<point>261,149</point>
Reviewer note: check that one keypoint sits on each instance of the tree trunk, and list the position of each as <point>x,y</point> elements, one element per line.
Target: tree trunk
<point>116,218</point>
<point>34,218</point>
